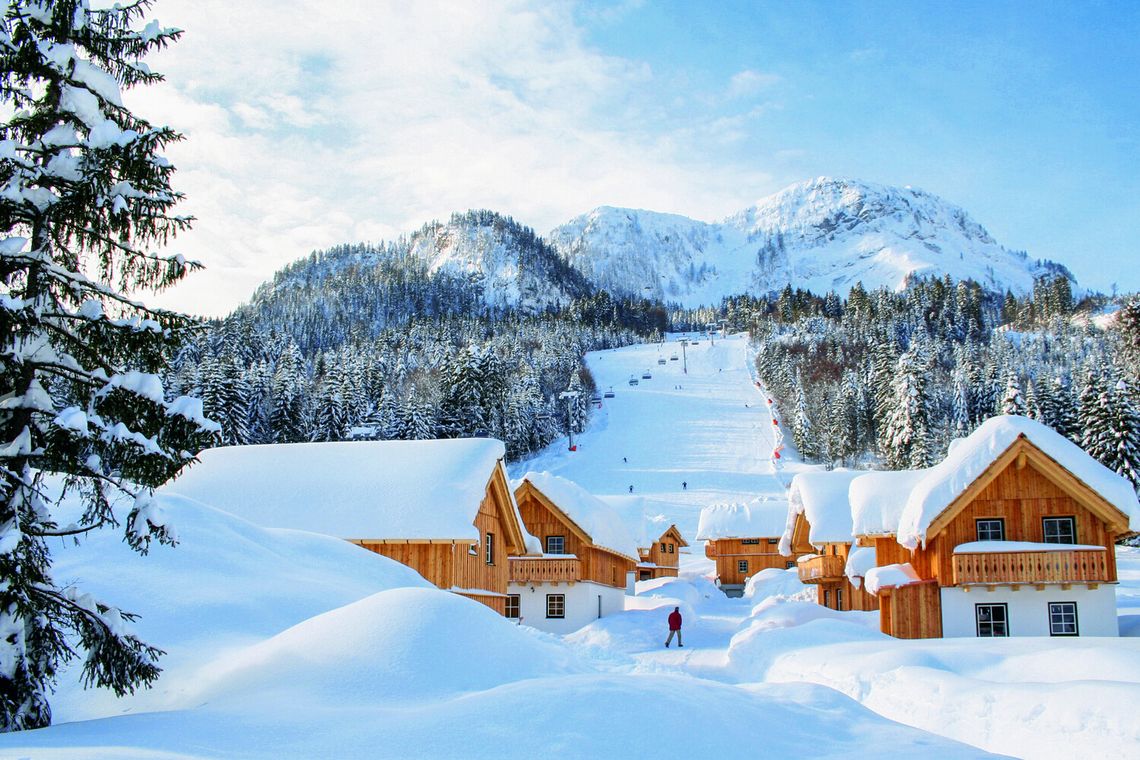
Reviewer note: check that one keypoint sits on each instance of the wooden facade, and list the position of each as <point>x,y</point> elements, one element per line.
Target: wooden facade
<point>663,556</point>
<point>827,571</point>
<point>465,566</point>
<point>738,559</point>
<point>1019,489</point>
<point>544,519</point>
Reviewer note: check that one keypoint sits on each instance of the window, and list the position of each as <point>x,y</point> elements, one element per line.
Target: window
<point>1063,619</point>
<point>749,541</point>
<point>513,606</point>
<point>662,547</point>
<point>742,566</point>
<point>489,558</point>
<point>838,598</point>
<point>993,619</point>
<point>991,529</point>
<point>556,544</point>
<point>827,597</point>
<point>773,540</point>
<point>671,549</point>
<point>1060,530</point>
<point>789,565</point>
<point>556,605</point>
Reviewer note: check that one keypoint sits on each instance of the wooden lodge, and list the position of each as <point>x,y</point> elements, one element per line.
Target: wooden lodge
<point>442,507</point>
<point>1012,534</point>
<point>818,533</point>
<point>588,556</point>
<point>743,539</point>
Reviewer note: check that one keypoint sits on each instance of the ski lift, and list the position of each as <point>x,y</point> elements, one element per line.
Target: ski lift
<point>632,380</point>
<point>610,393</point>
<point>596,398</point>
<point>673,358</point>
<point>661,360</point>
<point>646,376</point>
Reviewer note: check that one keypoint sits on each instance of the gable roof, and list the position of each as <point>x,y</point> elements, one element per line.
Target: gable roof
<point>644,520</point>
<point>973,462</point>
<point>762,517</point>
<point>596,521</point>
<point>821,498</point>
<point>370,490</point>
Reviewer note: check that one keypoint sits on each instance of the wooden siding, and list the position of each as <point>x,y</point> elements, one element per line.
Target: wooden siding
<point>729,551</point>
<point>597,565</point>
<point>911,612</point>
<point>1033,567</point>
<point>667,558</point>
<point>525,570</point>
<point>497,603</point>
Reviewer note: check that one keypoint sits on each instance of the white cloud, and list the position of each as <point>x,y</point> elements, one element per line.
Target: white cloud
<point>750,82</point>
<point>313,123</point>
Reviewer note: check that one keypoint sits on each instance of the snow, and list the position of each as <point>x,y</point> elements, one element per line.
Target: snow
<point>889,576</point>
<point>358,489</point>
<point>759,518</point>
<point>647,521</point>
<point>878,500</point>
<point>966,461</point>
<point>596,518</point>
<point>859,562</point>
<point>987,547</point>
<point>822,498</point>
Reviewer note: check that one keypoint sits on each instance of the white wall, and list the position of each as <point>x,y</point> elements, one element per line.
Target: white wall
<point>1029,609</point>
<point>581,604</point>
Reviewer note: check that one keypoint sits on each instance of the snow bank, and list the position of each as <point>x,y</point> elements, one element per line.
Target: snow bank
<point>822,498</point>
<point>764,517</point>
<point>967,460</point>
<point>889,576</point>
<point>596,518</point>
<point>358,489</point>
<point>774,582</point>
<point>396,646</point>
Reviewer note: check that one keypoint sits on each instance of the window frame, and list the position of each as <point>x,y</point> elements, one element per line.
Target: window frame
<point>671,548</point>
<point>1000,521</point>
<point>749,542</point>
<point>773,541</point>
<point>559,600</point>
<point>516,606</point>
<point>560,538</point>
<point>489,549</point>
<point>839,599</point>
<point>991,622</point>
<point>1056,520</point>
<point>788,565</point>
<point>1076,619</point>
<point>742,566</point>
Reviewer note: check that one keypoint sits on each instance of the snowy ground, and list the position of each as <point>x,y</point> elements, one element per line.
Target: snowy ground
<point>287,644</point>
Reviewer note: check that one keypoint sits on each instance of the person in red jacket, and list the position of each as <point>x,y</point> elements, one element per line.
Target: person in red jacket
<point>674,627</point>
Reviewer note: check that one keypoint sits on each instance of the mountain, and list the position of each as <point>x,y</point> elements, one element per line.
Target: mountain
<point>823,234</point>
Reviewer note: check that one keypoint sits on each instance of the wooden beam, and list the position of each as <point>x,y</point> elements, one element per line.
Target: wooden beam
<point>1021,460</point>
<point>1039,586</point>
<point>1066,586</point>
<point>991,589</point>
<point>1015,587</point>
<point>1093,586</point>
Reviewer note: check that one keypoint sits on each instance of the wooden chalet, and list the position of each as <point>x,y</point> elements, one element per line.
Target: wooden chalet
<point>744,539</point>
<point>659,542</point>
<point>588,560</point>
<point>442,507</point>
<point>1011,535</point>
<point>818,533</point>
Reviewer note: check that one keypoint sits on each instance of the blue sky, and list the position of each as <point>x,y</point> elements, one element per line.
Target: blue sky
<point>372,118</point>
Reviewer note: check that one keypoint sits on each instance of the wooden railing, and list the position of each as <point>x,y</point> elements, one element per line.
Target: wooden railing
<point>545,570</point>
<point>1033,567</point>
<point>822,569</point>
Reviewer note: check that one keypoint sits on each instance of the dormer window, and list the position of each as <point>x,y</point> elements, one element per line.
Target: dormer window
<point>991,529</point>
<point>1059,530</point>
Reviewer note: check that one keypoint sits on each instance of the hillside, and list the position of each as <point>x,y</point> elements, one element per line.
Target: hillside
<point>820,235</point>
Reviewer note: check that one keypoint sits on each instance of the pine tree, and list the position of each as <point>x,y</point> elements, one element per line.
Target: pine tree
<point>906,431</point>
<point>1012,401</point>
<point>86,190</point>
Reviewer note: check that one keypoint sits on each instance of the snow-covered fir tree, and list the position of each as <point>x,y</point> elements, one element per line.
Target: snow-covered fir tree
<point>84,411</point>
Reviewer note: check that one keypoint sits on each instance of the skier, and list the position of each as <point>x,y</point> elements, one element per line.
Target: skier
<point>684,485</point>
<point>631,489</point>
<point>674,627</point>
<point>626,461</point>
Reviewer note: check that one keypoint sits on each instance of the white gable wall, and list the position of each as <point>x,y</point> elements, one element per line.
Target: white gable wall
<point>1028,609</point>
<point>581,604</point>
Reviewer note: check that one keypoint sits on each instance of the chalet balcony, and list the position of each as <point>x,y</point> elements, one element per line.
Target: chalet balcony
<point>822,568</point>
<point>1034,567</point>
<point>545,569</point>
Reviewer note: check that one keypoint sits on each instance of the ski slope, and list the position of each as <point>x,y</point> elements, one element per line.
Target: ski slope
<point>710,427</point>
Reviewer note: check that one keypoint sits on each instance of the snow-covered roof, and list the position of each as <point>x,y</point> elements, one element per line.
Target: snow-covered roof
<point>646,522</point>
<point>940,485</point>
<point>878,499</point>
<point>763,517</point>
<point>597,519</point>
<point>892,576</point>
<point>359,489</point>
<point>822,498</point>
<point>859,563</point>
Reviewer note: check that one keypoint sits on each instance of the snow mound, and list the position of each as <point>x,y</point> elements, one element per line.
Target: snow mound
<point>394,646</point>
<point>774,582</point>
